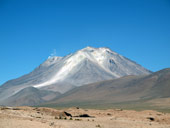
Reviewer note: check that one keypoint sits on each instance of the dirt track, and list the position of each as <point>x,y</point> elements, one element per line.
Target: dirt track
<point>29,117</point>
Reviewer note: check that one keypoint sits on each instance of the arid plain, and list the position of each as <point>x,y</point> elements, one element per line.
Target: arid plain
<point>34,117</point>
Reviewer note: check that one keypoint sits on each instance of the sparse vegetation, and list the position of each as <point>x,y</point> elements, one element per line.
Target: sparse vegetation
<point>51,124</point>
<point>98,126</point>
<point>78,119</point>
<point>109,114</point>
<point>38,117</point>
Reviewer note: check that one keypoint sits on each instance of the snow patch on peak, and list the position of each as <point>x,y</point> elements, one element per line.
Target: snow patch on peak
<point>107,50</point>
<point>101,49</point>
<point>51,60</point>
<point>69,64</point>
<point>88,49</point>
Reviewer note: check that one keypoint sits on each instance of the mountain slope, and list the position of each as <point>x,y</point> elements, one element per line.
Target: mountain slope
<point>85,66</point>
<point>30,96</point>
<point>125,89</point>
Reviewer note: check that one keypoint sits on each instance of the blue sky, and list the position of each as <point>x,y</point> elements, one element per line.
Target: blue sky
<point>30,30</point>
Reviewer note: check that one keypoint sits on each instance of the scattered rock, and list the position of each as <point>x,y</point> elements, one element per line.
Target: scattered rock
<point>151,118</point>
<point>16,109</point>
<point>67,114</point>
<point>109,114</point>
<point>119,109</point>
<point>84,115</point>
<point>4,108</point>
<point>63,115</point>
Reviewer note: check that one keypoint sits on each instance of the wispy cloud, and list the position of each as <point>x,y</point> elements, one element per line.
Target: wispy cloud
<point>53,53</point>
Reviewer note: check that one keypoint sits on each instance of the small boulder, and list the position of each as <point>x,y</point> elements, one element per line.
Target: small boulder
<point>151,118</point>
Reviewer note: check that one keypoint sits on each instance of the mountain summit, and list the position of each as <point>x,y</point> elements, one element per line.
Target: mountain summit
<point>89,65</point>
<point>85,66</point>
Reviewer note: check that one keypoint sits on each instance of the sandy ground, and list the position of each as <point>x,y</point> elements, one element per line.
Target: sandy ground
<point>30,117</point>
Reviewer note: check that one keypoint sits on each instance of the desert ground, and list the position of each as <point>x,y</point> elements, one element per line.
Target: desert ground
<point>38,117</point>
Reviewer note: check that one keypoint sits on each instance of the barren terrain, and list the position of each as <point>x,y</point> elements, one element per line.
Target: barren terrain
<point>31,117</point>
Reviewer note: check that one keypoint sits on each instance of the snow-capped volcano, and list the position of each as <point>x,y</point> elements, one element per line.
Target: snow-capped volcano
<point>85,66</point>
<point>100,64</point>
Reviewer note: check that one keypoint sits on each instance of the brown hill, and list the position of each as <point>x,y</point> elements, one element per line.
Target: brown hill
<point>129,89</point>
